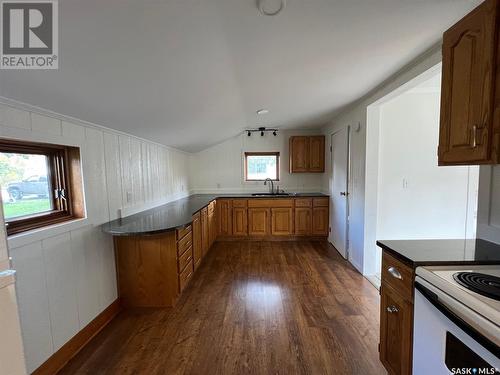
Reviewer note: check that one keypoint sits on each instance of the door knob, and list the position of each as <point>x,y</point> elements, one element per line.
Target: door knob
<point>392,309</point>
<point>343,193</point>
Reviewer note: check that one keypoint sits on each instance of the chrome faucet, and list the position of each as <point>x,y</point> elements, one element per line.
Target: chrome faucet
<point>272,184</point>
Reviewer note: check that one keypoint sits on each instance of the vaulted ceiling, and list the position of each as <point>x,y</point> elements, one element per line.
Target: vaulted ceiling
<point>190,73</point>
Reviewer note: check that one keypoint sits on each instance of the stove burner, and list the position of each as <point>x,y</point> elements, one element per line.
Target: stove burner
<point>481,283</point>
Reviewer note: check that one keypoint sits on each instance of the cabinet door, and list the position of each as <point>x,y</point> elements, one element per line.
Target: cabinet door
<point>396,315</point>
<point>299,154</point>
<point>224,217</point>
<point>240,227</point>
<point>466,124</point>
<point>303,221</point>
<point>197,240</point>
<point>320,221</point>
<point>282,221</point>
<point>212,228</point>
<point>258,221</point>
<point>204,231</point>
<point>317,154</point>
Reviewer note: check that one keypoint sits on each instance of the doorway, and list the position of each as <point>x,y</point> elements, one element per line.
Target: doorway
<point>339,214</point>
<point>407,195</point>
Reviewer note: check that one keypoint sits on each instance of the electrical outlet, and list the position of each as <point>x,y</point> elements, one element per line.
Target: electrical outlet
<point>129,196</point>
<point>218,186</point>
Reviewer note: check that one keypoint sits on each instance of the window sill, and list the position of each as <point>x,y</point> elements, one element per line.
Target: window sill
<point>35,235</point>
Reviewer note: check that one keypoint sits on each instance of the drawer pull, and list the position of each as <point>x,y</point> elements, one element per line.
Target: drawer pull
<point>395,273</point>
<point>392,309</point>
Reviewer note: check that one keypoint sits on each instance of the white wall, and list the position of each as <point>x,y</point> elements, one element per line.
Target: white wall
<point>220,168</point>
<point>66,274</point>
<point>488,225</point>
<point>416,198</point>
<point>357,114</point>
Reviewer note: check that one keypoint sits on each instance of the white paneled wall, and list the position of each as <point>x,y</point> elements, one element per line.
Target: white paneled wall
<point>66,274</point>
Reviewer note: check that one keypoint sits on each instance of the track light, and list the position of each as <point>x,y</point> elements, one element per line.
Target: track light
<point>262,130</point>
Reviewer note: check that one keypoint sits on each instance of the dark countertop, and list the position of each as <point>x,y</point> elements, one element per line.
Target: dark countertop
<point>176,214</point>
<point>436,252</point>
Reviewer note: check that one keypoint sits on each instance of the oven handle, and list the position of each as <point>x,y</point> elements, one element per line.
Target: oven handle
<point>477,336</point>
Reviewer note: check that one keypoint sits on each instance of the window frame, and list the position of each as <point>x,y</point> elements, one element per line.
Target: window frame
<point>63,175</point>
<point>262,153</point>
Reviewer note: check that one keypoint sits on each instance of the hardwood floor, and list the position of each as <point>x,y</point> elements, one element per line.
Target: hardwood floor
<point>251,308</point>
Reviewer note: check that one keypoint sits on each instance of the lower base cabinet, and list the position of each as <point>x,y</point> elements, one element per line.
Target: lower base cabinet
<point>320,221</point>
<point>395,329</point>
<point>273,217</point>
<point>153,270</point>
<point>197,240</point>
<point>396,315</point>
<point>282,221</point>
<point>258,221</point>
<point>240,222</point>
<point>303,221</point>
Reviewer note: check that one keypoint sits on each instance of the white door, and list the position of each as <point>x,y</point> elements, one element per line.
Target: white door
<point>11,345</point>
<point>339,191</point>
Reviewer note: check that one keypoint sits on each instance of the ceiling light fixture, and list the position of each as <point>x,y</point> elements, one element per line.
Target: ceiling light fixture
<point>262,111</point>
<point>261,5</point>
<point>262,130</point>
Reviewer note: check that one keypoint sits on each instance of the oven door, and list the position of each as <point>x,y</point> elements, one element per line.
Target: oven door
<point>443,342</point>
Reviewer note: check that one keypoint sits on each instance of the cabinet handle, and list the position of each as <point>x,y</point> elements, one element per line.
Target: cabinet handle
<point>474,136</point>
<point>394,272</point>
<point>392,309</point>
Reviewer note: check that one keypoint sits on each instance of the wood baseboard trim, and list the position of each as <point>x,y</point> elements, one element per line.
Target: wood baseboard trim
<point>271,238</point>
<point>60,358</point>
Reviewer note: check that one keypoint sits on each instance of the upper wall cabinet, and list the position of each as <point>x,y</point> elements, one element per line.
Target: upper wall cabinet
<point>307,154</point>
<point>470,94</point>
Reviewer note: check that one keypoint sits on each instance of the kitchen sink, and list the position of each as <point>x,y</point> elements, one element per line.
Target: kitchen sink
<point>270,194</point>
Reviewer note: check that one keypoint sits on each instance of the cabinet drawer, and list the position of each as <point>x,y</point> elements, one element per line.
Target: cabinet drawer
<point>183,231</point>
<point>320,202</point>
<point>185,258</point>
<point>185,276</point>
<point>279,202</point>
<point>303,202</point>
<point>239,203</point>
<point>398,275</point>
<point>185,243</point>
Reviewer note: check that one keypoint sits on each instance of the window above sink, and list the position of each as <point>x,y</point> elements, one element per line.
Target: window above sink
<point>262,165</point>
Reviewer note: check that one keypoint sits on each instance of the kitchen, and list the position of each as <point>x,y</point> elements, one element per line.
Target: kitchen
<point>178,214</point>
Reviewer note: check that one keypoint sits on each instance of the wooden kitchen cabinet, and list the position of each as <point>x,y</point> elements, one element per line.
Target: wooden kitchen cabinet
<point>240,215</point>
<point>282,221</point>
<point>395,331</point>
<point>299,154</point>
<point>303,221</point>
<point>307,154</point>
<point>197,240</point>
<point>258,221</point>
<point>212,224</point>
<point>396,315</point>
<point>470,93</point>
<point>205,240</point>
<point>224,214</point>
<point>317,154</point>
<point>320,221</point>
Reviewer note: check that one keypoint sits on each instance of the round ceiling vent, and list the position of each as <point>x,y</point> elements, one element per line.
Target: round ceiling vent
<point>271,7</point>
